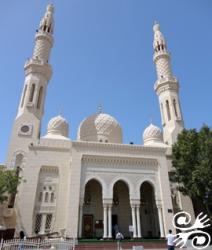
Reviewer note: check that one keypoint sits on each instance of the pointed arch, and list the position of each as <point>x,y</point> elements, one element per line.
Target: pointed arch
<point>168,110</point>
<point>175,107</point>
<point>40,97</point>
<point>32,91</point>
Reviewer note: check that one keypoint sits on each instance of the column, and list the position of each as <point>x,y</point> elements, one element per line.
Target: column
<point>110,221</point>
<point>162,235</point>
<point>80,220</point>
<point>138,221</point>
<point>105,222</point>
<point>43,224</point>
<point>134,222</point>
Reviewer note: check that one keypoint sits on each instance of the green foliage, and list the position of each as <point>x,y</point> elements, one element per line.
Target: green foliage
<point>192,162</point>
<point>9,180</point>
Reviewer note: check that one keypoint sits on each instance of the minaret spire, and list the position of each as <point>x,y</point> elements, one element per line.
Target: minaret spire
<point>44,38</point>
<point>38,71</point>
<point>167,89</point>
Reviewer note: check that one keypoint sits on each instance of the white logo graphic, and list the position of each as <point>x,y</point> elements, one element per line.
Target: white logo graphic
<point>200,239</point>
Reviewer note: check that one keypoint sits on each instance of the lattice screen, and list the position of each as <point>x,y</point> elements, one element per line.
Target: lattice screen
<point>38,222</point>
<point>48,221</point>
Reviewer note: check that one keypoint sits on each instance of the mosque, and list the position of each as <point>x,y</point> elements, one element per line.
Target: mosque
<point>96,184</point>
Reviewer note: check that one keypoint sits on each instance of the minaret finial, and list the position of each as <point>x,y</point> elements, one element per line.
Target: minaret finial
<point>47,22</point>
<point>100,109</point>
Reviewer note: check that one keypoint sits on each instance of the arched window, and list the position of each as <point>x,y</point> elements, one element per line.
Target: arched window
<point>175,107</point>
<point>52,197</point>
<point>46,197</point>
<point>23,97</point>
<point>162,113</point>
<point>168,110</point>
<point>32,91</point>
<point>40,196</point>
<point>40,94</point>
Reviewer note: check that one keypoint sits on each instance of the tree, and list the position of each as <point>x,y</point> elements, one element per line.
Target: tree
<point>192,165</point>
<point>9,181</point>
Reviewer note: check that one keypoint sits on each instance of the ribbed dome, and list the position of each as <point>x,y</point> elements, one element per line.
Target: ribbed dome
<point>57,127</point>
<point>100,128</point>
<point>152,134</point>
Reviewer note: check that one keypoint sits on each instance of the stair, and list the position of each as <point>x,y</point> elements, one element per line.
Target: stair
<point>113,245</point>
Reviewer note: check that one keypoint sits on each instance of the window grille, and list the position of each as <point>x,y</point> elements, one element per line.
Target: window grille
<point>38,223</point>
<point>48,222</point>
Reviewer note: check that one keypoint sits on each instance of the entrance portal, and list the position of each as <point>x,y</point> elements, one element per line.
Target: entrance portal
<point>121,218</point>
<point>148,212</point>
<point>93,211</point>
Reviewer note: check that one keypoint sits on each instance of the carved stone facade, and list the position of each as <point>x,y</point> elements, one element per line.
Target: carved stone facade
<point>95,185</point>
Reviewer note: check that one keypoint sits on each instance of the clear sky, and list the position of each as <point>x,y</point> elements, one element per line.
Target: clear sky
<point>103,55</point>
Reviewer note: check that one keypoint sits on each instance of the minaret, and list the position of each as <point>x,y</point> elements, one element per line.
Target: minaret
<point>167,89</point>
<point>26,128</point>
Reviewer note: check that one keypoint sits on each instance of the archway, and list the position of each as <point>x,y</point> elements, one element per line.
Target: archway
<point>148,212</point>
<point>121,211</point>
<point>92,223</point>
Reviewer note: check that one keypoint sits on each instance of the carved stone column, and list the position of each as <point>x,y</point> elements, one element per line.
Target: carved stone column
<point>105,221</point>
<point>134,221</point>
<point>80,220</point>
<point>159,206</point>
<point>110,221</point>
<point>138,221</point>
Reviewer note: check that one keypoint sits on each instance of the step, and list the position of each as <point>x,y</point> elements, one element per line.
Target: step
<point>125,245</point>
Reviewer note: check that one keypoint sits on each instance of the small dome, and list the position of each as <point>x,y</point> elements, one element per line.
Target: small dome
<point>152,134</point>
<point>100,128</point>
<point>58,128</point>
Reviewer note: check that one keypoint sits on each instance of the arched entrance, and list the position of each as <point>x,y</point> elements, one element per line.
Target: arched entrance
<point>121,211</point>
<point>148,212</point>
<point>92,223</point>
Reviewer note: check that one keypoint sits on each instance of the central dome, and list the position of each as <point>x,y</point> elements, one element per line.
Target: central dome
<point>100,128</point>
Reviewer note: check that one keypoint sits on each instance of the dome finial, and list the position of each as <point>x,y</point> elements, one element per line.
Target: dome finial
<point>150,119</point>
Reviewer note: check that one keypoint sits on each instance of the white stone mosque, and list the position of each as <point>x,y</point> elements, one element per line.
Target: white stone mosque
<point>89,187</point>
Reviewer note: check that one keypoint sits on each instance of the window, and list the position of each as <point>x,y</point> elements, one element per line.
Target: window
<point>38,223</point>
<point>39,97</point>
<point>46,197</point>
<point>23,97</point>
<point>162,112</point>
<point>48,221</point>
<point>175,107</point>
<point>40,196</point>
<point>32,93</point>
<point>52,197</point>
<point>168,110</point>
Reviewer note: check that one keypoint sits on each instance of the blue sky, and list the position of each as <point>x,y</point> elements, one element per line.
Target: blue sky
<point>103,55</point>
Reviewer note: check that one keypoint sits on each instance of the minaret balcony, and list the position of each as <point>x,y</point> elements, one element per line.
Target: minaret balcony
<point>160,54</point>
<point>166,83</point>
<point>38,66</point>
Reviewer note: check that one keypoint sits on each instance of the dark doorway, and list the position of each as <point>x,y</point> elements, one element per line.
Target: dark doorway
<point>114,225</point>
<point>88,225</point>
